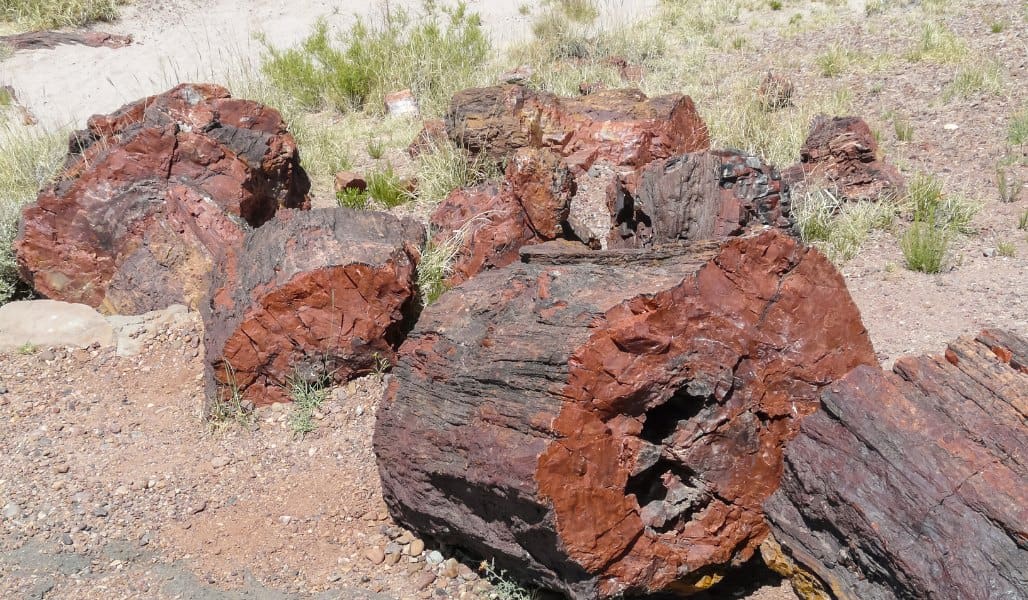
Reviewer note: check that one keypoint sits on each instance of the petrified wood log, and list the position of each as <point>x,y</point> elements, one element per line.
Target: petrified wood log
<point>611,422</point>
<point>38,40</point>
<point>696,196</point>
<point>151,194</point>
<point>322,294</point>
<point>623,127</point>
<point>488,224</point>
<point>842,152</point>
<point>914,484</point>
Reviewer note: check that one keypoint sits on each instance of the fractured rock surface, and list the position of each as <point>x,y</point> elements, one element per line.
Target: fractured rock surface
<point>152,194</point>
<point>321,295</point>
<point>611,422</point>
<point>914,484</point>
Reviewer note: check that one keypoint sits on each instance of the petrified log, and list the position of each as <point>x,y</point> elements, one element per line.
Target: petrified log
<point>488,224</point>
<point>39,40</point>
<point>697,196</point>
<point>914,484</point>
<point>623,127</point>
<point>611,422</point>
<point>321,294</point>
<point>151,194</point>
<point>842,152</point>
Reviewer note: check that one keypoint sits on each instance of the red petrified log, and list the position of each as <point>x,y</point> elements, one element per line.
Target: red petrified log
<point>842,152</point>
<point>622,127</point>
<point>611,422</point>
<point>321,294</point>
<point>914,484</point>
<point>152,194</point>
<point>37,40</point>
<point>488,224</point>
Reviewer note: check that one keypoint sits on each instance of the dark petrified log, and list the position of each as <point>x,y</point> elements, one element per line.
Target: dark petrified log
<point>151,195</point>
<point>696,196</point>
<point>611,422</point>
<point>914,484</point>
<point>623,127</point>
<point>322,294</point>
<point>38,40</point>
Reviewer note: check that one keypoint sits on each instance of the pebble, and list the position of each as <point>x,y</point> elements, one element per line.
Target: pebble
<point>199,507</point>
<point>434,557</point>
<point>451,568</point>
<point>66,539</point>
<point>285,519</point>
<point>416,547</point>
<point>11,510</point>
<point>3,389</point>
<point>424,580</point>
<point>989,252</point>
<point>375,555</point>
<point>220,461</point>
<point>100,511</point>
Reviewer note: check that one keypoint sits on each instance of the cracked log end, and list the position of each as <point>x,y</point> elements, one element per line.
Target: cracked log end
<point>614,428</point>
<point>914,484</point>
<point>319,294</point>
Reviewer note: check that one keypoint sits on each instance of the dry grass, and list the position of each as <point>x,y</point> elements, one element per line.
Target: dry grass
<point>28,160</point>
<point>54,14</point>
<point>837,228</point>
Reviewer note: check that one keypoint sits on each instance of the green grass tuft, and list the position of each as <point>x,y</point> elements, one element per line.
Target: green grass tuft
<point>444,168</point>
<point>352,198</point>
<point>974,80</point>
<point>1022,221</point>
<point>1006,249</point>
<point>928,203</point>
<point>837,228</point>
<point>924,246</point>
<point>386,188</point>
<point>939,45</point>
<point>1017,133</point>
<point>308,395</point>
<point>433,56</point>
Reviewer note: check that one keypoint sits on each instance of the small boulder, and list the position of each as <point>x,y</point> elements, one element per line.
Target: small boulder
<point>52,323</point>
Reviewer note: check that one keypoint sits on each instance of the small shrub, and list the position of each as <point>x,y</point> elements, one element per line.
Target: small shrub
<point>874,7</point>
<point>433,56</point>
<point>938,44</point>
<point>434,268</point>
<point>580,11</point>
<point>352,198</point>
<point>837,228</point>
<point>1022,221</point>
<point>924,247</point>
<point>308,394</point>
<point>775,4</point>
<point>386,188</point>
<point>504,587</point>
<point>997,27</point>
<point>54,14</point>
<point>1006,249</point>
<point>27,348</point>
<point>229,408</point>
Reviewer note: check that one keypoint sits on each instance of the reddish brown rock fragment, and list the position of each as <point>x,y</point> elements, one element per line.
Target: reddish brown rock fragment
<point>841,152</point>
<point>38,40</point>
<point>610,422</point>
<point>322,294</point>
<point>152,194</point>
<point>624,127</point>
<point>914,484</point>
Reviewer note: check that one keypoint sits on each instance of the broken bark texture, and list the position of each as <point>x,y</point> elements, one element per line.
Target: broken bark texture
<point>152,194</point>
<point>40,40</point>
<point>606,427</point>
<point>322,295</point>
<point>914,484</point>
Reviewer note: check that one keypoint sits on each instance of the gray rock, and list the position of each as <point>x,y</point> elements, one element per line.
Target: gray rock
<point>434,557</point>
<point>52,323</point>
<point>11,510</point>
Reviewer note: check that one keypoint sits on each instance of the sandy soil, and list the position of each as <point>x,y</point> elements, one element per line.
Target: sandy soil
<point>190,40</point>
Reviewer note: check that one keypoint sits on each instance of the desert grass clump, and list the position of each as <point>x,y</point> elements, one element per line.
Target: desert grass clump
<point>928,203</point>
<point>28,161</point>
<point>833,61</point>
<point>53,14</point>
<point>308,394</point>
<point>352,198</point>
<point>1017,132</point>
<point>1022,221</point>
<point>924,246</point>
<point>444,168</point>
<point>433,55</point>
<point>838,228</point>
<point>904,130</point>
<point>1009,189</point>
<point>504,587</point>
<point>229,408</point>
<point>974,80</point>
<point>435,268</point>
<point>386,188</point>
<point>1006,249</point>
<point>938,44</point>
